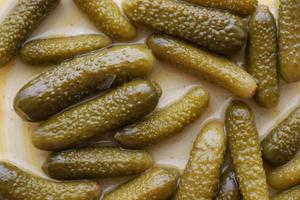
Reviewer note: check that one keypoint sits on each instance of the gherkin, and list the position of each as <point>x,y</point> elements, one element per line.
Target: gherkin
<point>291,194</point>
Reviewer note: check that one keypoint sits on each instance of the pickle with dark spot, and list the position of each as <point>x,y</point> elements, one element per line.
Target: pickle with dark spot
<point>218,31</point>
<point>54,50</point>
<point>228,187</point>
<point>16,184</point>
<point>165,122</point>
<point>291,194</point>
<point>20,23</point>
<point>119,107</point>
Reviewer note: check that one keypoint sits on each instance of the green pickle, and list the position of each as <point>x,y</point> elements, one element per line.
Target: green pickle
<point>124,105</point>
<point>165,122</point>
<point>218,31</point>
<point>20,23</point>
<point>289,39</point>
<point>79,78</point>
<point>291,194</point>
<point>96,162</point>
<point>16,184</point>
<point>262,56</point>
<point>245,151</point>
<point>155,184</point>
<point>107,17</point>
<point>54,50</point>
<point>202,173</point>
<point>228,187</point>
<point>203,64</point>
<point>283,142</point>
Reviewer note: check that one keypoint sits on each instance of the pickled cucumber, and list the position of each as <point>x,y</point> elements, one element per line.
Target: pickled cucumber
<point>16,184</point>
<point>201,176</point>
<point>54,50</point>
<point>155,184</point>
<point>81,77</point>
<point>216,30</point>
<point>122,106</point>
<point>245,151</point>
<point>165,122</point>
<point>107,17</point>
<point>262,56</point>
<point>20,23</point>
<point>96,162</point>
<point>228,187</point>
<point>292,194</point>
<point>242,7</point>
<point>203,64</point>
<point>283,142</point>
<point>289,39</point>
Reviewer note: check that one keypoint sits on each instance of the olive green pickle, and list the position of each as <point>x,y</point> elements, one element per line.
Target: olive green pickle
<point>292,194</point>
<point>228,187</point>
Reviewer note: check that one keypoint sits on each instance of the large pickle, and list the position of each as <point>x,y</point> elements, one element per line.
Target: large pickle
<point>96,162</point>
<point>202,173</point>
<point>216,30</point>
<point>245,151</point>
<point>166,122</point>
<point>228,187</point>
<point>289,39</point>
<point>203,64</point>
<point>106,15</point>
<point>73,80</point>
<point>56,49</point>
<point>283,142</point>
<point>262,56</point>
<point>119,107</point>
<point>155,184</point>
<point>16,184</point>
<point>20,23</point>
<point>292,194</point>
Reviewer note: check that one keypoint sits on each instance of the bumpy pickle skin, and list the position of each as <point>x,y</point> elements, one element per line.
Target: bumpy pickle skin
<point>203,64</point>
<point>245,151</point>
<point>79,78</point>
<point>283,142</point>
<point>53,50</point>
<point>155,184</point>
<point>262,56</point>
<point>289,39</point>
<point>228,187</point>
<point>16,184</point>
<point>286,176</point>
<point>291,194</point>
<point>20,23</point>
<point>96,162</point>
<point>202,173</point>
<point>119,107</point>
<point>107,17</point>
<point>165,122</point>
<point>241,7</point>
<point>218,31</point>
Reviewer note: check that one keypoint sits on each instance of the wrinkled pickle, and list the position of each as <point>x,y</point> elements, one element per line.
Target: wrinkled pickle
<point>283,142</point>
<point>245,151</point>
<point>165,122</point>
<point>228,187</point>
<point>54,50</point>
<point>16,184</point>
<point>155,184</point>
<point>107,17</point>
<point>124,105</point>
<point>216,30</point>
<point>96,162</point>
<point>202,173</point>
<point>73,80</point>
<point>203,64</point>
<point>20,23</point>
<point>262,56</point>
<point>289,39</point>
<point>291,194</point>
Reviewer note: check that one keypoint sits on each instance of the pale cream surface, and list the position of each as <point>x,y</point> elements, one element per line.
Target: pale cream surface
<point>15,144</point>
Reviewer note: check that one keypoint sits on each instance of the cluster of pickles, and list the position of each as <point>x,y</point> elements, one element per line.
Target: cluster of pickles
<point>96,88</point>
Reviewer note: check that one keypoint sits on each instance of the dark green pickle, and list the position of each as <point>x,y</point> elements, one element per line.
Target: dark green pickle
<point>218,31</point>
<point>20,23</point>
<point>262,56</point>
<point>96,162</point>
<point>119,107</point>
<point>79,78</point>
<point>49,51</point>
<point>16,184</point>
<point>283,142</point>
<point>228,187</point>
<point>291,194</point>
